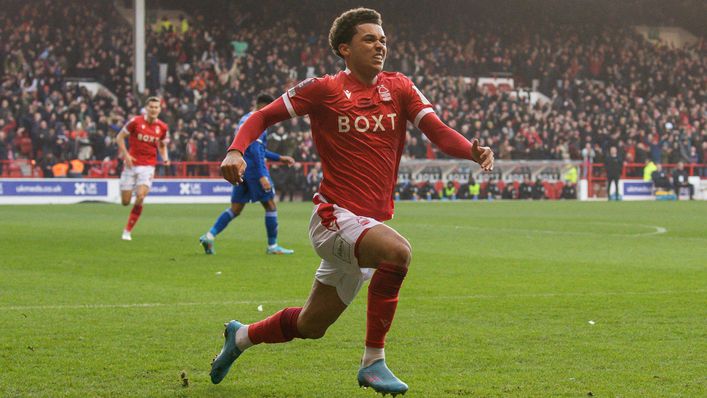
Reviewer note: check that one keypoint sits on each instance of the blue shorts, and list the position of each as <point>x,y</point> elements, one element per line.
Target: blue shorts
<point>250,190</point>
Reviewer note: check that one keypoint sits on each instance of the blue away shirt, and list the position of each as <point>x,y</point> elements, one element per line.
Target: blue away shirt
<point>256,154</point>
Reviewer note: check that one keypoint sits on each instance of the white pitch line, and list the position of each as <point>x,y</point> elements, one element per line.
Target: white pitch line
<point>567,294</point>
<point>137,305</point>
<point>294,300</point>
<point>658,230</point>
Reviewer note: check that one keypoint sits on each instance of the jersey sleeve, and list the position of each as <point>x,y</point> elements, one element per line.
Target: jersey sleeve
<point>258,121</point>
<point>447,139</point>
<point>274,156</point>
<point>130,126</point>
<point>415,103</point>
<point>305,97</point>
<point>165,133</point>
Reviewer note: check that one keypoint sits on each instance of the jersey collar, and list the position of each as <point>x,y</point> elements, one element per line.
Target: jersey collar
<point>348,73</point>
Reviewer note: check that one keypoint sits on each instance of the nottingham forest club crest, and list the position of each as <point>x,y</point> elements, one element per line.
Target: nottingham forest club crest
<point>384,93</point>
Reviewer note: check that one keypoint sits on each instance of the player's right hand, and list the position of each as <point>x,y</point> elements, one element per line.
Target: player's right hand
<point>233,167</point>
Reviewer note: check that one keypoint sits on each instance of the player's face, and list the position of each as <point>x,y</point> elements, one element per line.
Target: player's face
<point>367,51</point>
<point>153,109</point>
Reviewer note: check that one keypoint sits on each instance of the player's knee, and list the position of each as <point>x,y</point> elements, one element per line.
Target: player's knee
<point>125,202</point>
<point>400,254</point>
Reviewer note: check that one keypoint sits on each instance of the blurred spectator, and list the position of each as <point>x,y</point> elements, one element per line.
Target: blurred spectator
<point>525,189</point>
<point>3,151</point>
<point>76,168</point>
<point>314,177</point>
<point>492,191</point>
<point>648,170</point>
<point>60,168</point>
<point>449,192</point>
<point>474,188</point>
<point>680,181</point>
<point>614,167</point>
<point>509,191</point>
<point>660,179</point>
<point>539,190</point>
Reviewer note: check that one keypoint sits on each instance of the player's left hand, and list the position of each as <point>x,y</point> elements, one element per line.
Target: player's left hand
<point>289,160</point>
<point>265,183</point>
<point>166,162</point>
<point>482,155</point>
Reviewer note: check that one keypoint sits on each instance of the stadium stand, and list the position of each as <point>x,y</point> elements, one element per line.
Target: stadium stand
<point>606,84</point>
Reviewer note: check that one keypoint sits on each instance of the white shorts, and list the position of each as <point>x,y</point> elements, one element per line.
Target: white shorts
<point>335,234</point>
<point>137,175</point>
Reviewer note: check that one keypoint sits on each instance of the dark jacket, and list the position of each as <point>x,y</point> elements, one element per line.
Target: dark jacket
<point>613,167</point>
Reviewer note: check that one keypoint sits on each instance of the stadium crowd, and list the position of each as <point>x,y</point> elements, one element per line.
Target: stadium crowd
<point>607,85</point>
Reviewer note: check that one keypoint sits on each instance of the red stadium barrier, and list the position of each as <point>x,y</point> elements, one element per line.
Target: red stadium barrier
<point>596,174</point>
<point>26,168</point>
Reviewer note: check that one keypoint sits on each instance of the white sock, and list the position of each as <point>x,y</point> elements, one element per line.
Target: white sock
<point>242,340</point>
<point>274,245</point>
<point>210,236</point>
<point>371,355</point>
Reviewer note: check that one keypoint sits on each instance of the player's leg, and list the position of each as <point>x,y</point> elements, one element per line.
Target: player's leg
<point>143,177</point>
<point>390,253</point>
<point>126,196</point>
<point>239,198</point>
<point>128,181</point>
<point>140,193</point>
<point>271,228</point>
<point>323,308</point>
<point>350,247</point>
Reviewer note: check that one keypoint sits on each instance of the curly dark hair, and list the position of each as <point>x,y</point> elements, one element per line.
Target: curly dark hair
<point>344,27</point>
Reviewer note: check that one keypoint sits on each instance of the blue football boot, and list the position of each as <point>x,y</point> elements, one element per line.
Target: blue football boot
<point>207,243</point>
<point>278,250</point>
<point>381,379</point>
<point>229,353</point>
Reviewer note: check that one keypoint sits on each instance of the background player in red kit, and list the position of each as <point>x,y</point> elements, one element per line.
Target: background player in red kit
<point>146,134</point>
<point>358,119</point>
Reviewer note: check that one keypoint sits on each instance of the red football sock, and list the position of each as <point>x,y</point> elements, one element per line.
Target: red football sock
<point>382,302</point>
<point>134,216</point>
<point>277,328</point>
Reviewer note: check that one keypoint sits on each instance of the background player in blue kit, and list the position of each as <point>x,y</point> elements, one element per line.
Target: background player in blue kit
<point>257,186</point>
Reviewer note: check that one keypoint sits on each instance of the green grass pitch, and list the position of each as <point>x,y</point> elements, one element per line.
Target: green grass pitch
<point>503,299</point>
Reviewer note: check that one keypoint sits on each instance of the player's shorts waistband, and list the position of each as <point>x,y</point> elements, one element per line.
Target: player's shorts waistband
<point>318,199</point>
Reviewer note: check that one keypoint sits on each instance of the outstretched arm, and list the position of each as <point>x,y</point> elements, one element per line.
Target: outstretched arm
<point>233,166</point>
<point>275,157</point>
<point>454,144</point>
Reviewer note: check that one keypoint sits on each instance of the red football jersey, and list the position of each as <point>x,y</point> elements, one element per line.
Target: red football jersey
<point>359,132</point>
<point>144,138</point>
